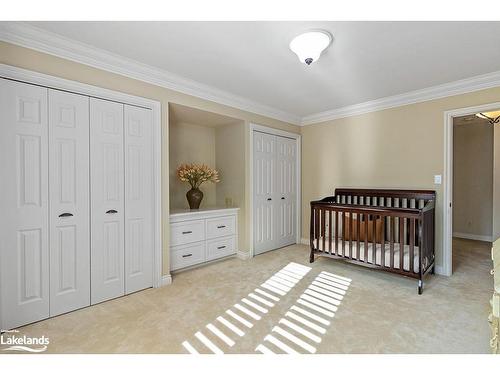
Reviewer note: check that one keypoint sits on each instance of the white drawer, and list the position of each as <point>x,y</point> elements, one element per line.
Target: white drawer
<point>221,247</point>
<point>186,232</point>
<point>221,226</point>
<point>187,255</point>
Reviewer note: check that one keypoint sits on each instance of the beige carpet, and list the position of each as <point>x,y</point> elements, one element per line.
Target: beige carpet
<point>332,307</point>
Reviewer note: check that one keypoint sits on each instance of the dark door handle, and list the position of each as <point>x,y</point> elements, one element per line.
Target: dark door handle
<point>66,214</point>
<point>269,199</point>
<point>111,211</point>
<point>187,255</point>
<point>282,197</point>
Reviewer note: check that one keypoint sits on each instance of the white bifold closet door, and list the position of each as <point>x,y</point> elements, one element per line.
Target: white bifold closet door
<point>108,197</point>
<point>275,191</point>
<point>76,199</point>
<point>69,201</point>
<point>122,199</point>
<point>287,191</point>
<point>139,199</point>
<point>24,235</point>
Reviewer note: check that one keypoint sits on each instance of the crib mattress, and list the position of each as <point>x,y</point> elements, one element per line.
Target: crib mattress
<point>360,254</point>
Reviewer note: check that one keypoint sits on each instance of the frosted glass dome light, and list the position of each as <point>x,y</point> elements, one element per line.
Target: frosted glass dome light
<point>308,46</point>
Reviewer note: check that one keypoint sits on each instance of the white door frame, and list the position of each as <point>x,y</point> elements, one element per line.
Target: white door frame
<point>448,178</point>
<point>28,76</point>
<point>298,139</point>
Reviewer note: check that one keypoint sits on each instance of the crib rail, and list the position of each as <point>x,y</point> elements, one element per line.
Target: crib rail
<point>393,232</point>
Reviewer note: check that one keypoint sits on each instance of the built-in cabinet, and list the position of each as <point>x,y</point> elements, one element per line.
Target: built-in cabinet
<point>274,191</point>
<point>198,236</point>
<point>77,196</point>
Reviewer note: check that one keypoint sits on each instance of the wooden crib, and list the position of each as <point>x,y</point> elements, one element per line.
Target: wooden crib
<point>391,230</point>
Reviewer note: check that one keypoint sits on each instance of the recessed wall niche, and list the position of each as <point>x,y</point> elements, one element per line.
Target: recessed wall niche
<point>198,136</point>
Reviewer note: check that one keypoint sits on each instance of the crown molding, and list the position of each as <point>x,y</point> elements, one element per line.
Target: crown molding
<point>29,36</point>
<point>462,86</point>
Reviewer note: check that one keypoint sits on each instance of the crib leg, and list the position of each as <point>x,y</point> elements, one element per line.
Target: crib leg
<point>420,286</point>
<point>433,270</point>
<point>311,257</point>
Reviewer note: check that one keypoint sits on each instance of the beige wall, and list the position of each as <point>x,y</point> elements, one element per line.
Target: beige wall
<point>401,147</point>
<point>190,143</point>
<point>472,177</point>
<point>48,64</point>
<point>230,161</point>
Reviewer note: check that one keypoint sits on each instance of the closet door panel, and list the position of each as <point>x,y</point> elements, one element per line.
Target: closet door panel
<point>139,193</point>
<point>24,246</point>
<point>286,191</point>
<point>264,187</point>
<point>107,200</point>
<point>69,201</point>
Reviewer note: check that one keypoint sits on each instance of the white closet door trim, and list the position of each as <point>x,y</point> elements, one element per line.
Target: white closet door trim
<point>28,76</point>
<point>298,140</point>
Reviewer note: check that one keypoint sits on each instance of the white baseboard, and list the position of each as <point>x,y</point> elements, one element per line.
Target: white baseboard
<point>469,236</point>
<point>166,280</point>
<point>304,241</point>
<point>439,270</point>
<point>243,255</point>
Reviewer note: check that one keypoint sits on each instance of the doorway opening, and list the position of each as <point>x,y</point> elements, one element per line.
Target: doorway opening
<point>469,184</point>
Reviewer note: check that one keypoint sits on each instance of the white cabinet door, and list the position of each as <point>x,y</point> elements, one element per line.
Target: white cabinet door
<point>24,246</point>
<point>69,201</point>
<point>264,192</point>
<point>139,194</point>
<point>286,186</point>
<point>107,200</point>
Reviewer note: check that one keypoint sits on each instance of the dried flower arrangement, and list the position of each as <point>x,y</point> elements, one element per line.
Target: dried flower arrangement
<point>196,174</point>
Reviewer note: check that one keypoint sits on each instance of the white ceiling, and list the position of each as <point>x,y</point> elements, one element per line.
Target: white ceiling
<point>366,61</point>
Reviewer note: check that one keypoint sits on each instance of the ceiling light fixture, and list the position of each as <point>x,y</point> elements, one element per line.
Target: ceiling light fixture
<point>492,117</point>
<point>308,46</point>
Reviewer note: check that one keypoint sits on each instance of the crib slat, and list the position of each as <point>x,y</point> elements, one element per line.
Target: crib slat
<point>392,238</point>
<point>343,233</point>
<point>358,226</point>
<point>330,223</point>
<point>336,232</point>
<point>365,218</point>
<point>382,241</point>
<point>374,239</point>
<point>412,241</point>
<point>323,227</point>
<point>350,234</point>
<point>316,227</point>
<point>401,242</point>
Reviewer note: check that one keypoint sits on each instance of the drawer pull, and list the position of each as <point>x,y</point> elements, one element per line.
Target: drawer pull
<point>221,247</point>
<point>66,214</point>
<point>221,226</point>
<point>187,232</point>
<point>111,211</point>
<point>187,255</point>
